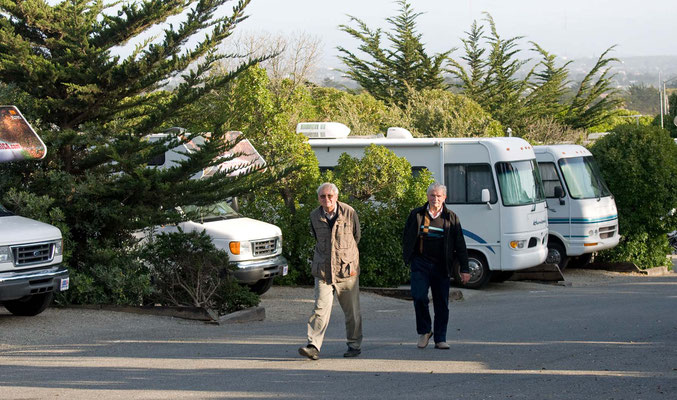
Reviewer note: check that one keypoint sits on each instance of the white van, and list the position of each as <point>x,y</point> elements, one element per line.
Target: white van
<point>493,185</point>
<point>582,214</point>
<point>31,252</point>
<point>254,247</point>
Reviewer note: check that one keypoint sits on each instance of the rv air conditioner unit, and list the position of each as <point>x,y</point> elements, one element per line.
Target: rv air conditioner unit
<point>395,132</point>
<point>320,130</point>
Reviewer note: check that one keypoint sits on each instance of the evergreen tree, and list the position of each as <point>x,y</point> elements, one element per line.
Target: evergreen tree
<point>388,73</point>
<point>95,108</point>
<point>596,100</point>
<point>518,99</point>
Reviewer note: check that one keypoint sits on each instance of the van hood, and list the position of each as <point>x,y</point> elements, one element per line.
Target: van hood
<point>17,230</point>
<point>241,229</point>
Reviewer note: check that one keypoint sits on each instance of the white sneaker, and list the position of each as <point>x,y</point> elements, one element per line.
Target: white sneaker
<point>423,340</point>
<point>442,346</point>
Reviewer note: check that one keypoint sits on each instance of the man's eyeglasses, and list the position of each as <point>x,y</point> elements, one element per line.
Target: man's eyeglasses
<point>326,196</point>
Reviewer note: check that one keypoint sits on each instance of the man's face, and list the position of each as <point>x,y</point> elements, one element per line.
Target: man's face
<point>436,198</point>
<point>327,199</point>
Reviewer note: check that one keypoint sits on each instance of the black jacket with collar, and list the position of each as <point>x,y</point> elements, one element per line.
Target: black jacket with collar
<point>454,243</point>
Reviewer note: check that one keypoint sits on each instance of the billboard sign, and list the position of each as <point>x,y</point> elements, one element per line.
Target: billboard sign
<point>18,140</point>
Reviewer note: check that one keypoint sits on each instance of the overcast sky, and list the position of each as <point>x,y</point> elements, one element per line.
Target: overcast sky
<point>567,28</point>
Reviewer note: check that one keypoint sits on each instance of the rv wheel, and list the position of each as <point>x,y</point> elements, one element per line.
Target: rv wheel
<point>557,255</point>
<point>479,272</point>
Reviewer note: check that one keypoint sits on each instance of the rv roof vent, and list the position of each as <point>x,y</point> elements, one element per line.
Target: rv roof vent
<point>319,130</point>
<point>395,132</point>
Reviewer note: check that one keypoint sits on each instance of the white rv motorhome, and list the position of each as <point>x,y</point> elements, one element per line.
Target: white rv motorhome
<point>582,214</point>
<point>493,184</point>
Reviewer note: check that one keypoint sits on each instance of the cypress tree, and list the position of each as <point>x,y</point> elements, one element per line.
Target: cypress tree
<point>62,64</point>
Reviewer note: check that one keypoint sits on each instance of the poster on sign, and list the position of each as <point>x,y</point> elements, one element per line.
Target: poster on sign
<point>18,140</point>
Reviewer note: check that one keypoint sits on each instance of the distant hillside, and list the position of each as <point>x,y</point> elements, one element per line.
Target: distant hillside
<point>629,71</point>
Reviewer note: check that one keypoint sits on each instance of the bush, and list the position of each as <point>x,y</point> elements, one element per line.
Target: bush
<point>440,113</point>
<point>640,165</point>
<point>188,270</point>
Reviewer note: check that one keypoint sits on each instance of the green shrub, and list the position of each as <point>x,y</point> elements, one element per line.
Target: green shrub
<point>640,165</point>
<point>111,276</point>
<point>188,270</point>
<point>440,113</point>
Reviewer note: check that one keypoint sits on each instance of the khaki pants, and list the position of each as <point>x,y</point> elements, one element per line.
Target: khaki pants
<point>348,293</point>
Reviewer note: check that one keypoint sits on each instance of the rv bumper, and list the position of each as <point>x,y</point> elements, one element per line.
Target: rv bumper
<point>525,259</point>
<point>253,271</point>
<point>15,285</point>
<point>579,248</point>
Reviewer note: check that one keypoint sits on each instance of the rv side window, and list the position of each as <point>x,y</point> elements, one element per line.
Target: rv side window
<point>416,171</point>
<point>465,182</point>
<point>549,178</point>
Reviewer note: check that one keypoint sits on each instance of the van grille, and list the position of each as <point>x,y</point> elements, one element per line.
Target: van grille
<point>33,254</point>
<point>264,247</point>
<point>606,232</point>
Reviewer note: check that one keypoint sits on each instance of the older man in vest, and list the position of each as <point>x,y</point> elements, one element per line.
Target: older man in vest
<point>336,268</point>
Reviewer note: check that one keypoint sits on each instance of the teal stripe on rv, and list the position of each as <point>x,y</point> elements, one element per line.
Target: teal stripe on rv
<point>582,220</point>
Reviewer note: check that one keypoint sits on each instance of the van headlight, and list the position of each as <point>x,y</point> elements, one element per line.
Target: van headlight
<point>517,244</point>
<point>58,247</point>
<point>6,254</point>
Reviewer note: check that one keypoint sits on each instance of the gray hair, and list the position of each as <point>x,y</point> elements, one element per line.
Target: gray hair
<point>333,188</point>
<point>435,186</point>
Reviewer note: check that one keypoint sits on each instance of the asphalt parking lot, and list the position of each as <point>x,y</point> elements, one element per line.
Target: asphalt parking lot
<point>602,335</point>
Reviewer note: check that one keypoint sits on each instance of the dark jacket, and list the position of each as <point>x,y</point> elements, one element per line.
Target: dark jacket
<point>454,243</point>
<point>336,257</point>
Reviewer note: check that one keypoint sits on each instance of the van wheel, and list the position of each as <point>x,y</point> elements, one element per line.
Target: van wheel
<point>479,272</point>
<point>580,261</point>
<point>29,305</point>
<point>557,255</point>
<point>261,286</point>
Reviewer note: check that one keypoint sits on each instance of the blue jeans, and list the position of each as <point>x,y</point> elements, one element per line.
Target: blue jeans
<point>426,275</point>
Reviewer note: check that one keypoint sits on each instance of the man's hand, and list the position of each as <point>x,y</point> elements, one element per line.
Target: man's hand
<point>465,278</point>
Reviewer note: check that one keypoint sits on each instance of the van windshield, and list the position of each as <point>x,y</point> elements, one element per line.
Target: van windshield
<point>214,212</point>
<point>4,212</point>
<point>520,182</point>
<point>583,178</point>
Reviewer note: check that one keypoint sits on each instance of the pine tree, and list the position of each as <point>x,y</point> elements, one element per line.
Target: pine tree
<point>94,108</point>
<point>389,73</point>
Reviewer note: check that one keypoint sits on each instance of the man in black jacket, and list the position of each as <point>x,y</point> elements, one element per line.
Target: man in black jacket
<point>432,241</point>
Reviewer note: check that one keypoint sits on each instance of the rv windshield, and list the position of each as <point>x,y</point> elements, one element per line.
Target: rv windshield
<point>520,182</point>
<point>214,212</point>
<point>583,178</point>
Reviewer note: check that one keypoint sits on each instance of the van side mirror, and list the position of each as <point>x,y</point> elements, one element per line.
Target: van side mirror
<point>559,193</point>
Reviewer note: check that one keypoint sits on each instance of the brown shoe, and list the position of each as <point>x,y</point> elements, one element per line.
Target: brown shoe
<point>442,346</point>
<point>423,340</point>
<point>310,351</point>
